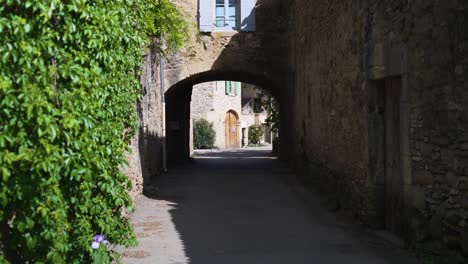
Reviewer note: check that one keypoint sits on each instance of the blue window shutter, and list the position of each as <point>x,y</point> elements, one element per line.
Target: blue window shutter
<point>236,88</point>
<point>206,13</point>
<point>228,87</point>
<point>247,15</point>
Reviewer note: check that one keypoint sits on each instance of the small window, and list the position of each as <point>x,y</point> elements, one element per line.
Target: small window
<point>232,88</point>
<point>257,106</point>
<point>226,14</point>
<point>221,15</point>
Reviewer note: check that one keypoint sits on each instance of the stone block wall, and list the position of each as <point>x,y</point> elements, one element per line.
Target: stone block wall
<point>203,96</point>
<point>251,57</point>
<point>329,96</point>
<point>338,52</point>
<point>439,118</point>
<point>145,158</point>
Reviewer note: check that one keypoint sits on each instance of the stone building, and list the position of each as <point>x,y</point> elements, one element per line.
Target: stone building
<point>373,96</point>
<point>231,107</point>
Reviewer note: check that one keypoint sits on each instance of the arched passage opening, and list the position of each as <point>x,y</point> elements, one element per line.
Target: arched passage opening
<point>178,113</point>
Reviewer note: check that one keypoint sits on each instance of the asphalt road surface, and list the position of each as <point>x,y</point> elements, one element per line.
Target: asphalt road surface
<point>238,207</point>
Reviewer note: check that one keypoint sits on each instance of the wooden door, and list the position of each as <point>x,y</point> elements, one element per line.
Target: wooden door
<point>394,194</point>
<point>231,130</point>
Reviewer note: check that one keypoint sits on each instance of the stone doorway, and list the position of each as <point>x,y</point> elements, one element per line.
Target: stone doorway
<point>231,125</point>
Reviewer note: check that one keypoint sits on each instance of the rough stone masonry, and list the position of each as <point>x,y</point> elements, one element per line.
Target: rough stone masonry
<point>341,53</point>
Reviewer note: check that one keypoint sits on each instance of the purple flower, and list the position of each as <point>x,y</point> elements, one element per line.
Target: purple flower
<point>95,245</point>
<point>99,238</point>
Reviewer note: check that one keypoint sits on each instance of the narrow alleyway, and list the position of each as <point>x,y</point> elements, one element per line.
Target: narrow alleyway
<point>237,207</point>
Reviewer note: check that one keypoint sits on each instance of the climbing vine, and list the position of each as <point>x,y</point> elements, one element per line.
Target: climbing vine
<point>68,86</point>
<point>271,105</point>
<point>164,22</point>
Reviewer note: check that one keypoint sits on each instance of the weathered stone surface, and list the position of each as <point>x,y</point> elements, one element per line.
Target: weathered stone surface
<point>435,226</point>
<point>463,186</point>
<point>419,197</point>
<point>464,241</point>
<point>422,177</point>
<point>435,127</point>
<point>452,179</point>
<point>145,157</point>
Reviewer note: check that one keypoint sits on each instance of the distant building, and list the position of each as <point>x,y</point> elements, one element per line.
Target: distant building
<point>232,107</point>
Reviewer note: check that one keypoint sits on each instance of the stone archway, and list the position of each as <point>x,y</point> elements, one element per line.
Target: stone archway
<point>251,57</point>
<point>178,98</point>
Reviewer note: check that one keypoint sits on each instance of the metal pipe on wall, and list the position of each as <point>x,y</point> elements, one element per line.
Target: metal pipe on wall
<point>163,101</point>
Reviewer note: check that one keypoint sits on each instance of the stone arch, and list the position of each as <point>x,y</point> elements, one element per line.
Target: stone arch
<point>261,80</point>
<point>237,56</point>
<point>257,58</point>
<point>178,98</point>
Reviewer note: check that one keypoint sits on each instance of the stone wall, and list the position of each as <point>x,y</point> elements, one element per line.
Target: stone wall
<point>330,99</point>
<point>145,158</point>
<point>229,55</point>
<point>339,52</point>
<point>202,100</point>
<point>439,117</point>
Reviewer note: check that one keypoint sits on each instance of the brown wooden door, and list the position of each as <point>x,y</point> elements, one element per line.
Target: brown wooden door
<point>231,130</point>
<point>394,194</point>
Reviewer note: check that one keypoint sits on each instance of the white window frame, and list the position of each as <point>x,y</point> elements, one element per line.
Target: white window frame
<point>226,17</point>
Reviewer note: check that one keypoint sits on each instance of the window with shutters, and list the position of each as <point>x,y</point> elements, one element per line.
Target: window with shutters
<point>232,88</point>
<point>222,15</point>
<point>226,14</point>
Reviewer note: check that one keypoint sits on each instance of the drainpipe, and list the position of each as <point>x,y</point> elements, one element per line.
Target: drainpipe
<point>163,101</point>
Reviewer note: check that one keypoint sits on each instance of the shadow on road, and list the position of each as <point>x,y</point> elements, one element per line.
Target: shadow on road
<point>235,207</point>
<point>234,154</point>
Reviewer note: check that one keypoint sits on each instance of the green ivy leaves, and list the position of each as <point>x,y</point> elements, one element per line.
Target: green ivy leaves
<point>68,88</point>
<point>163,21</point>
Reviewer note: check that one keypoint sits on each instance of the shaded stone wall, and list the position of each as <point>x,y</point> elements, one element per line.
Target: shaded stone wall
<point>251,57</point>
<point>145,158</point>
<point>439,117</point>
<point>330,99</point>
<point>339,51</point>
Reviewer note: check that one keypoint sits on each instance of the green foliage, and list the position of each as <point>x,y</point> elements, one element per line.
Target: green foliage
<point>203,134</point>
<point>163,21</point>
<point>68,86</point>
<point>272,107</point>
<point>255,133</point>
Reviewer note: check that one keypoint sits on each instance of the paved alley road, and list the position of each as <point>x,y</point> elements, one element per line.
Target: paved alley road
<point>236,207</point>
